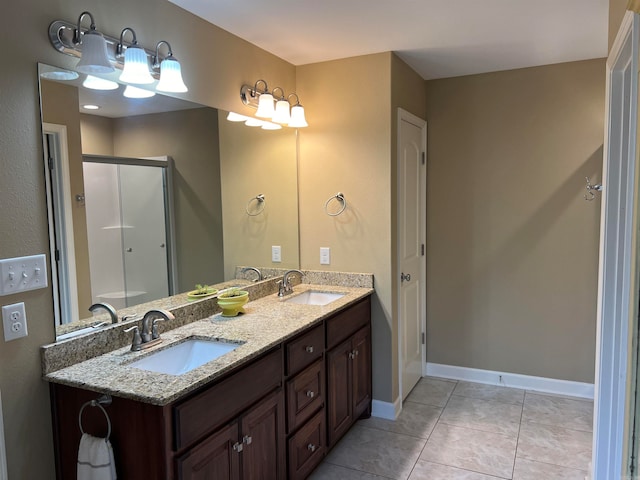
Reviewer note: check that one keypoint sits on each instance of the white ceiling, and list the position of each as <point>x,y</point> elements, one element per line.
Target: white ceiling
<point>438,38</point>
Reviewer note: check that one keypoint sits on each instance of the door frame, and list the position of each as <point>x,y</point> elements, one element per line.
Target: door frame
<point>422,124</point>
<point>616,276</point>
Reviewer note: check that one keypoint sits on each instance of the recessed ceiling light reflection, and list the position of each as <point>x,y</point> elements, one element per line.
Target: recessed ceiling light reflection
<point>135,92</point>
<point>90,107</point>
<point>95,83</point>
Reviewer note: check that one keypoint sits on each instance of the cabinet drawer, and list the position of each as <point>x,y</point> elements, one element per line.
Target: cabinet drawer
<point>305,395</point>
<point>307,447</point>
<point>347,322</point>
<point>202,413</point>
<point>304,350</point>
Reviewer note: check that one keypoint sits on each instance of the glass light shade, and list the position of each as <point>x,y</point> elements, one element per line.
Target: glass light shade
<point>135,92</point>
<point>282,114</point>
<point>171,77</point>
<point>236,117</point>
<point>271,126</point>
<point>253,122</point>
<point>95,83</point>
<point>265,106</point>
<point>297,117</point>
<point>136,67</point>
<point>94,54</point>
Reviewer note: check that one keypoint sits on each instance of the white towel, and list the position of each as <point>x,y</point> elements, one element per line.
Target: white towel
<point>95,459</point>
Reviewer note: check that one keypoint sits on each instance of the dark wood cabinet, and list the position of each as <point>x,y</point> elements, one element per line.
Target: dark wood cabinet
<point>348,369</point>
<point>273,418</point>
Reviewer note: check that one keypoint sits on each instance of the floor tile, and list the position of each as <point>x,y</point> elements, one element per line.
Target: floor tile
<point>490,392</point>
<point>482,452</point>
<point>483,415</point>
<point>432,391</point>
<point>376,451</point>
<point>558,411</point>
<point>530,470</point>
<point>434,471</point>
<point>416,419</point>
<point>554,445</point>
<point>326,471</point>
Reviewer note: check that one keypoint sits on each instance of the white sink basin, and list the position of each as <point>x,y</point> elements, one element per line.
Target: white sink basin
<point>184,357</point>
<point>314,297</point>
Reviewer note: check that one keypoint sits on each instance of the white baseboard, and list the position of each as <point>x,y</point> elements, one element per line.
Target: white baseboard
<point>387,410</point>
<point>515,380</point>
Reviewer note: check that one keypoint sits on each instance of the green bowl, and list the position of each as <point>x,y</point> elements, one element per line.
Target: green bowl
<point>232,306</point>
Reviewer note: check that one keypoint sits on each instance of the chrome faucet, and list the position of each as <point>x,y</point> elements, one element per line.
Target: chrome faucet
<point>284,285</point>
<point>149,329</point>
<point>109,308</point>
<point>253,269</point>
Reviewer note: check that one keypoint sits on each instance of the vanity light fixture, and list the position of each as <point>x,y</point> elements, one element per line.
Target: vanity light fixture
<point>94,49</point>
<point>134,92</point>
<point>99,54</point>
<point>170,71</point>
<point>283,113</point>
<point>96,83</point>
<point>253,122</point>
<point>236,117</point>
<point>136,64</point>
<point>270,126</point>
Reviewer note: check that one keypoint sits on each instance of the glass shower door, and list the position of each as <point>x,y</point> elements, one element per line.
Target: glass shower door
<point>144,242</point>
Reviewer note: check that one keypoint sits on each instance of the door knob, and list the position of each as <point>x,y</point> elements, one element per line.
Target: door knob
<point>405,277</point>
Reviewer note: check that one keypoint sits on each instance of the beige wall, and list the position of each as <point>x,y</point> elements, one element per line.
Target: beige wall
<point>512,246</point>
<point>97,135</point>
<point>255,161</point>
<point>617,9</point>
<point>215,64</point>
<point>347,151</point>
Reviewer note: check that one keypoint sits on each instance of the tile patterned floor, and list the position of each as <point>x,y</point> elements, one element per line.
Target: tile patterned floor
<point>454,430</point>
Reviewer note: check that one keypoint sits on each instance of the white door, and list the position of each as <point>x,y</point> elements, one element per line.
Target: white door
<point>412,181</point>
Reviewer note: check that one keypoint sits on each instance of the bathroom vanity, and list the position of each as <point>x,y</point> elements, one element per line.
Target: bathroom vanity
<point>270,409</point>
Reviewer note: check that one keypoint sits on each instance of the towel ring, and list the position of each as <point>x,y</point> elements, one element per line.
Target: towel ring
<point>261,202</point>
<point>340,198</point>
<point>104,399</point>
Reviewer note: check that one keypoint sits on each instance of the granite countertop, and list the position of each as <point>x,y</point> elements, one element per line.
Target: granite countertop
<point>267,322</point>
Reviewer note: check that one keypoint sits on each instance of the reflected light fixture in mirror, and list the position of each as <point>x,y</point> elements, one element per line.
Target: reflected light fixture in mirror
<point>283,113</point>
<point>270,126</point>
<point>94,49</point>
<point>96,83</point>
<point>134,92</point>
<point>236,117</point>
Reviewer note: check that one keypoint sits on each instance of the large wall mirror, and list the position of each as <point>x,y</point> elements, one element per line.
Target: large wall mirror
<point>151,196</point>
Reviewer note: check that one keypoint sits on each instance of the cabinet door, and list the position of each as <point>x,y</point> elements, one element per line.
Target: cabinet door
<point>215,458</point>
<point>361,382</point>
<point>263,437</point>
<point>339,391</point>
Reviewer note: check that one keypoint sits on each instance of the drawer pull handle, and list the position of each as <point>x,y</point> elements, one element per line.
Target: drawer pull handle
<point>237,447</point>
<point>311,447</point>
<point>308,349</point>
<point>247,440</point>
<point>310,394</point>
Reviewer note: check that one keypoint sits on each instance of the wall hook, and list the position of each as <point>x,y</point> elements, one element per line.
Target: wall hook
<point>589,196</point>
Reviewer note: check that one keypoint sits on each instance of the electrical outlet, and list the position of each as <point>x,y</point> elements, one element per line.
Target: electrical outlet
<point>14,321</point>
<point>325,256</point>
<point>276,254</point>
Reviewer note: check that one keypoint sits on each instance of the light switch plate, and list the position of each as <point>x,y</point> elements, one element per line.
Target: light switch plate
<point>22,273</point>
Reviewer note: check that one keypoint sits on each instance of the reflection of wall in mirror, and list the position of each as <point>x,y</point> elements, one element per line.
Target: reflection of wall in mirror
<point>255,161</point>
<point>191,138</point>
<point>56,99</point>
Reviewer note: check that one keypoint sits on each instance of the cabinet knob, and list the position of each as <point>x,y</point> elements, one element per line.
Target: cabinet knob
<point>308,349</point>
<point>237,447</point>
<point>310,394</point>
<point>355,352</point>
<point>247,440</point>
<point>311,447</point>
<point>351,356</point>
